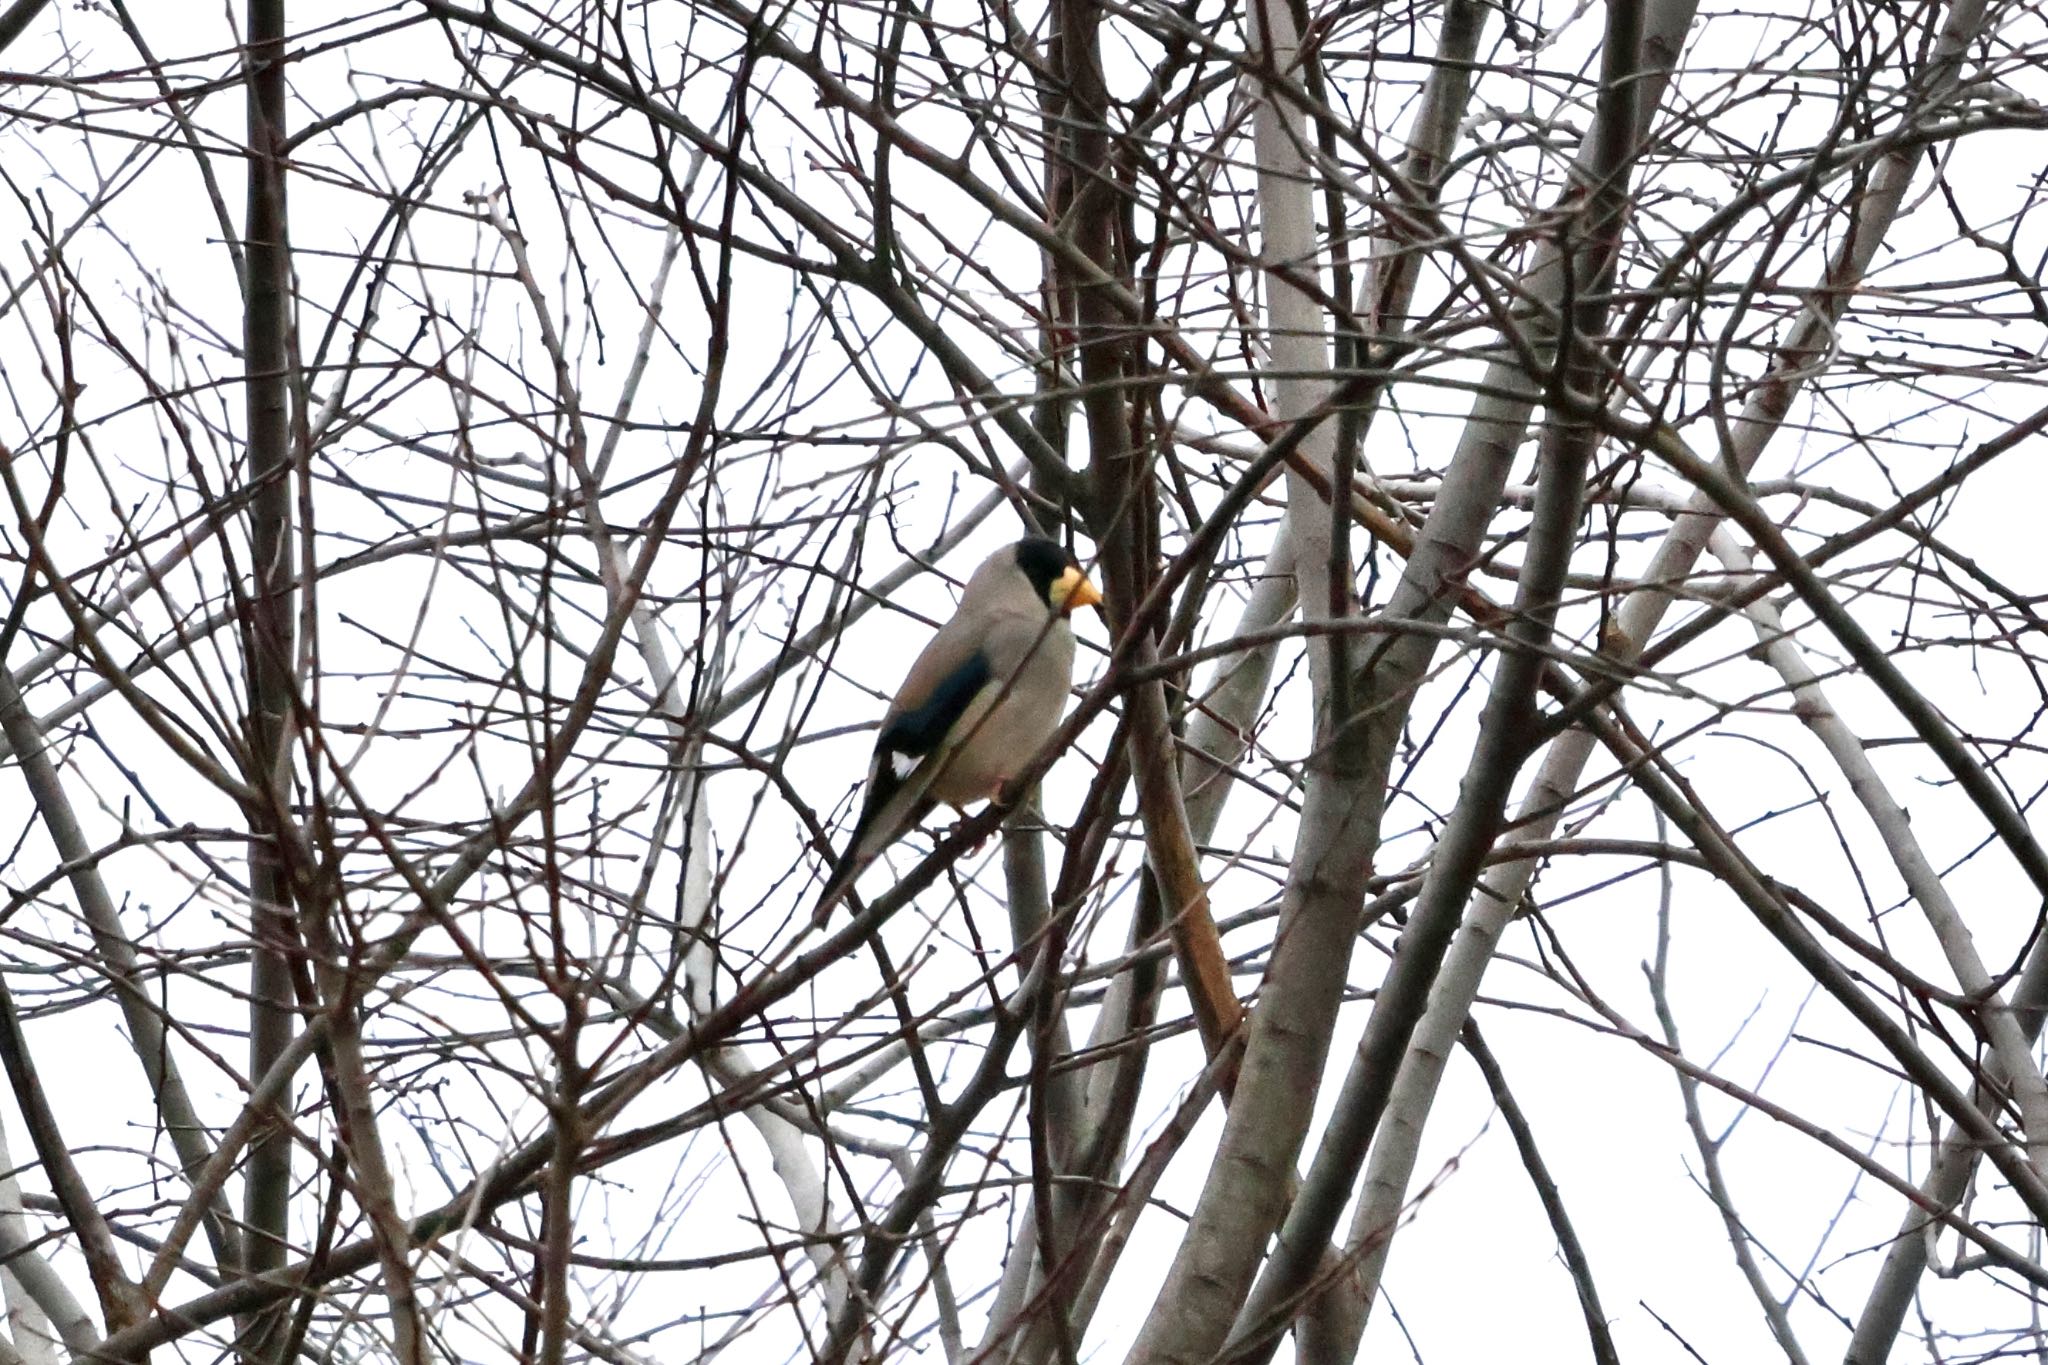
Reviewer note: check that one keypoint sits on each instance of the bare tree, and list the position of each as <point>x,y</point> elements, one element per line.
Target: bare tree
<point>1560,482</point>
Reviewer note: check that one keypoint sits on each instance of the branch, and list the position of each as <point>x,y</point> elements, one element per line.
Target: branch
<point>147,1035</point>
<point>1568,1244</point>
<point>1658,974</point>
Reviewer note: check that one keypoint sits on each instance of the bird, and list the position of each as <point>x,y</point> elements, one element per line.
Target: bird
<point>983,697</point>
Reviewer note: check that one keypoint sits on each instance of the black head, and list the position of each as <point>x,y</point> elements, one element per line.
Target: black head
<point>1056,576</point>
<point>1045,563</point>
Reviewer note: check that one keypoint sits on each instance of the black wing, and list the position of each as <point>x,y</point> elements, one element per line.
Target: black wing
<point>905,741</point>
<point>913,734</point>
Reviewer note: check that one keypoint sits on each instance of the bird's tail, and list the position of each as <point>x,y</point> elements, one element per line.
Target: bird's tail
<point>838,880</point>
<point>879,826</point>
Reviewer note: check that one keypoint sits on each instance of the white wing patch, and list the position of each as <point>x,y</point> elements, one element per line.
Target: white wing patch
<point>902,764</point>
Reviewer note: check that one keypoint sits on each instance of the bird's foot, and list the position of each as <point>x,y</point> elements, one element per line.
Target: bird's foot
<point>980,840</point>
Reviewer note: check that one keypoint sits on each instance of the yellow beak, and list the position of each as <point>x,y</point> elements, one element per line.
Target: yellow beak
<point>1072,589</point>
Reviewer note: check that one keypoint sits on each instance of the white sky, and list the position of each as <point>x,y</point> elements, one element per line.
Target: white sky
<point>1474,1275</point>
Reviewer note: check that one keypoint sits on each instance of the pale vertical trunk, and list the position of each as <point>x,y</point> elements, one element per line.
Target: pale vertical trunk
<point>1297,349</point>
<point>1217,729</point>
<point>1245,1195</point>
<point>28,1325</point>
<point>63,1319</point>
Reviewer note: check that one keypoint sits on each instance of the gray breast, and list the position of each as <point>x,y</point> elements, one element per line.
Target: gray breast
<point>1033,666</point>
